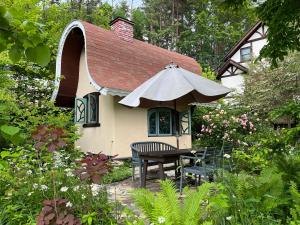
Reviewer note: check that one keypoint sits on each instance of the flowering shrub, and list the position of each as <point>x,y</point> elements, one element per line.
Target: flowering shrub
<point>215,127</point>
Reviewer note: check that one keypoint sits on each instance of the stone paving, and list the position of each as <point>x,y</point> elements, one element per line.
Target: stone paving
<point>120,191</point>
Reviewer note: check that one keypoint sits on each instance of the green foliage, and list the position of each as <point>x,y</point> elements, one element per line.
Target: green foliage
<point>255,199</point>
<point>209,74</point>
<point>290,110</point>
<point>118,173</point>
<point>295,210</point>
<point>22,38</point>
<point>205,205</point>
<point>265,147</point>
<point>268,88</point>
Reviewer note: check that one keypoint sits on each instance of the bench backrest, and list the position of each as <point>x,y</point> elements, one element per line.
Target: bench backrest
<point>149,146</point>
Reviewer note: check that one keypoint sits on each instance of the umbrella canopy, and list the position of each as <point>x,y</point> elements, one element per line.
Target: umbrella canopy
<point>175,83</point>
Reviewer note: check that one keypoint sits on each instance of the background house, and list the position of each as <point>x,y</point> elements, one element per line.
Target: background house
<point>236,62</point>
<point>98,67</point>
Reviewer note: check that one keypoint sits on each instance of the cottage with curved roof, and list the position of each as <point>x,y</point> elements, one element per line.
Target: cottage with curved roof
<point>95,68</point>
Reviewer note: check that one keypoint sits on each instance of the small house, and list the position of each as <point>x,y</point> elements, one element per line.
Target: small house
<point>236,62</point>
<point>96,68</point>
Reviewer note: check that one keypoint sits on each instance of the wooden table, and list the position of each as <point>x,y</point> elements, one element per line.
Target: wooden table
<point>161,157</point>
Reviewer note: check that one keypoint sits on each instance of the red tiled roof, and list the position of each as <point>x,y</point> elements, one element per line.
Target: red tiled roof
<point>124,65</point>
<point>113,62</point>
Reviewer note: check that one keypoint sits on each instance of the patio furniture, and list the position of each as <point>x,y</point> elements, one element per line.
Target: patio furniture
<point>137,162</point>
<point>203,164</point>
<point>161,157</point>
<point>140,148</point>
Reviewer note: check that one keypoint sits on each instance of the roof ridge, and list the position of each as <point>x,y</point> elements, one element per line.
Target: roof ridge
<point>137,40</point>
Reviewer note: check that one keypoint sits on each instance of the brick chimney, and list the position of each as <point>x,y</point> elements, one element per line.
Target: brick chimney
<point>123,28</point>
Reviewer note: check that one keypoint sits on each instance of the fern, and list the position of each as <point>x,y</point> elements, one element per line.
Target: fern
<point>295,211</point>
<point>197,207</point>
<point>144,199</point>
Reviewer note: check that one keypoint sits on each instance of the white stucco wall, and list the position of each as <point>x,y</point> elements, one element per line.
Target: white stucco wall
<point>234,82</point>
<point>119,125</point>
<point>237,82</point>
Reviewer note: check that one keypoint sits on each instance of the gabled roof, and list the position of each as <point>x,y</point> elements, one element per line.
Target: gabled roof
<point>115,66</point>
<point>241,42</point>
<point>229,63</point>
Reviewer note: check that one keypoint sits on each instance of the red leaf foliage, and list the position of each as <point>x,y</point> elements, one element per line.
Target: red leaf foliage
<point>55,212</point>
<point>94,167</point>
<point>50,137</point>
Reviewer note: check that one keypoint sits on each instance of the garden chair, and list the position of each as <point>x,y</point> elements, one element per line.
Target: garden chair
<point>203,164</point>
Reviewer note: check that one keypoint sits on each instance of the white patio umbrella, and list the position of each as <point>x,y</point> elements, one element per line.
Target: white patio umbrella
<point>174,86</point>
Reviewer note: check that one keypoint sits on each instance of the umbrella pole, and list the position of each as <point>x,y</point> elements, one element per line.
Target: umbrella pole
<point>177,125</point>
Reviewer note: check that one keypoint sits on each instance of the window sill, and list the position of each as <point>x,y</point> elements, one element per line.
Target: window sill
<point>162,135</point>
<point>91,125</point>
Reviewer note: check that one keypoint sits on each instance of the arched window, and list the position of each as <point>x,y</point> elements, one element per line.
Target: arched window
<point>160,122</point>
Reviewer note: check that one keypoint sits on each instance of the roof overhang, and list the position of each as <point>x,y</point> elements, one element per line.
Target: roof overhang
<point>58,72</point>
<point>229,63</point>
<point>242,41</point>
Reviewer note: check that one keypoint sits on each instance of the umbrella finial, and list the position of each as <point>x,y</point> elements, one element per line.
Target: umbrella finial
<point>171,65</point>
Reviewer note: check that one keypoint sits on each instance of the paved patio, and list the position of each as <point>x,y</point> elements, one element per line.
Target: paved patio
<point>120,191</point>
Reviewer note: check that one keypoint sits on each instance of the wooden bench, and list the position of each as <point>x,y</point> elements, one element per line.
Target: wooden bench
<point>143,147</point>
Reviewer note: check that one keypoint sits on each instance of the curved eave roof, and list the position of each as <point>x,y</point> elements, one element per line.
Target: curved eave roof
<point>115,66</point>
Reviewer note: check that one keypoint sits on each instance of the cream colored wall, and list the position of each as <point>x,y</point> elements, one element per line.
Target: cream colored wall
<point>131,126</point>
<point>119,125</point>
<point>95,139</point>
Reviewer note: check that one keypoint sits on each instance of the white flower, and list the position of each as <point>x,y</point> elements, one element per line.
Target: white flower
<point>76,188</point>
<point>35,186</point>
<point>228,218</point>
<point>95,188</point>
<point>69,204</point>
<point>29,172</point>
<point>30,193</point>
<point>64,189</point>
<point>161,220</point>
<point>70,174</point>
<point>244,143</point>
<point>83,197</point>
<point>193,151</point>
<point>44,187</point>
<point>227,156</point>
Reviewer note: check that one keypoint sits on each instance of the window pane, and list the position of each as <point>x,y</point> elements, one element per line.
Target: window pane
<point>152,123</point>
<point>245,54</point>
<point>164,122</point>
<point>93,108</point>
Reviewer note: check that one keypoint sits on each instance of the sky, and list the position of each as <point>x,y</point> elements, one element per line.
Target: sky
<point>135,3</point>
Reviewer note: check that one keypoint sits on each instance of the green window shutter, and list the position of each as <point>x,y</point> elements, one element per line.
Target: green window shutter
<point>185,122</point>
<point>80,110</point>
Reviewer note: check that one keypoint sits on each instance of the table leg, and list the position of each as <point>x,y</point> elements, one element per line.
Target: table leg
<point>161,171</point>
<point>143,184</point>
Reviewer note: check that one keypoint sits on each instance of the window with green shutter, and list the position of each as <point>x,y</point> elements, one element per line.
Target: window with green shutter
<point>87,110</point>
